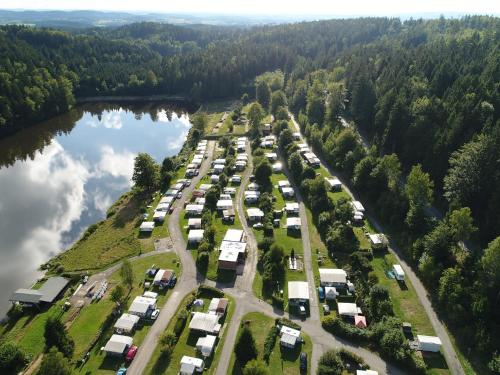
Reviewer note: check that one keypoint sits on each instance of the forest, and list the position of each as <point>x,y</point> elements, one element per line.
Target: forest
<point>424,96</point>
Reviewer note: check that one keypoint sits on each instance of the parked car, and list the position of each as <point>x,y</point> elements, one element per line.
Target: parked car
<point>121,371</point>
<point>172,282</point>
<point>303,361</point>
<point>258,226</point>
<point>302,310</point>
<point>321,293</point>
<point>132,351</point>
<point>155,314</point>
<point>326,309</point>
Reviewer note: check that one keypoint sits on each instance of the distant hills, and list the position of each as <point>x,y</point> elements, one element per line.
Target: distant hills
<point>92,18</point>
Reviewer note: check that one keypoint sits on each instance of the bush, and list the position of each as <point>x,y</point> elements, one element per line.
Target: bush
<point>337,327</point>
<point>348,356</point>
<point>180,322</point>
<point>209,291</point>
<point>330,363</point>
<point>269,343</point>
<point>12,358</point>
<point>202,261</point>
<point>265,243</point>
<point>288,323</point>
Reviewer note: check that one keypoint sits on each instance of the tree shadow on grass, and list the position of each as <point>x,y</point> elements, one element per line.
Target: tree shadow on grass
<point>161,364</point>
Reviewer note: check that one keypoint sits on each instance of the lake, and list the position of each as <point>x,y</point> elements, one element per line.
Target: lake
<point>58,177</point>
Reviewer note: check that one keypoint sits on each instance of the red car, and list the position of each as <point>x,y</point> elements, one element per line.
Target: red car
<point>132,351</point>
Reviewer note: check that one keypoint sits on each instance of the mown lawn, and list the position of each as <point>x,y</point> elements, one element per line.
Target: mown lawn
<point>114,238</point>
<point>282,360</point>
<point>93,316</point>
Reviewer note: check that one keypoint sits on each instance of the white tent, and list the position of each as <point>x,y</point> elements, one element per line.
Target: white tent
<point>330,292</point>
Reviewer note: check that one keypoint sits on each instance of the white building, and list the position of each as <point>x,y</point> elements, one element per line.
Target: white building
<point>289,337</point>
<point>203,322</point>
<point>293,223</point>
<point>398,272</point>
<point>348,309</point>
<point>126,323</point>
<point>195,236</point>
<point>429,343</point>
<point>117,345</point>
<point>141,305</point>
<point>255,214</point>
<point>334,184</point>
<point>298,292</point>
<point>194,223</point>
<point>292,208</point>
<point>205,345</point>
<point>334,277</point>
<point>224,204</point>
<point>234,235</point>
<point>147,226</point>
<point>194,209</point>
<point>190,365</point>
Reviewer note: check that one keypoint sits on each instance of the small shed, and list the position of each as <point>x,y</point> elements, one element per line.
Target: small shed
<point>398,272</point>
<point>289,337</point>
<point>194,223</point>
<point>348,309</point>
<point>224,204</point>
<point>334,184</point>
<point>126,323</point>
<point>204,322</point>
<point>292,208</point>
<point>293,223</point>
<point>429,343</point>
<point>298,292</point>
<point>147,226</point>
<point>378,241</point>
<point>335,277</point>
<point>255,214</point>
<point>360,321</point>
<point>195,236</point>
<point>205,345</point>
<point>117,345</point>
<point>190,365</point>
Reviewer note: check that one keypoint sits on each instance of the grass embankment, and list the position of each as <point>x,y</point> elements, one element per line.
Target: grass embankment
<point>92,318</point>
<point>282,360</point>
<point>287,239</point>
<point>186,344</point>
<point>110,240</point>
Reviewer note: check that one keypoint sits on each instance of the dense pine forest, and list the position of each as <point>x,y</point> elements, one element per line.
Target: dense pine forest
<point>424,95</point>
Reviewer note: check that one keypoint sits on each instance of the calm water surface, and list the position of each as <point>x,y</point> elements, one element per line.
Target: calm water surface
<point>60,176</point>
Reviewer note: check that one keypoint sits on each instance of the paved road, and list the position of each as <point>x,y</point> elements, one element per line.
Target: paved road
<point>447,348</point>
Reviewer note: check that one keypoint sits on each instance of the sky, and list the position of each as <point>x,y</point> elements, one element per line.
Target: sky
<point>269,7</point>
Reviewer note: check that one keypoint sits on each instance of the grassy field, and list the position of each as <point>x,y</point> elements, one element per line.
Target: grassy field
<point>282,360</point>
<point>186,345</point>
<point>112,240</point>
<point>91,319</point>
